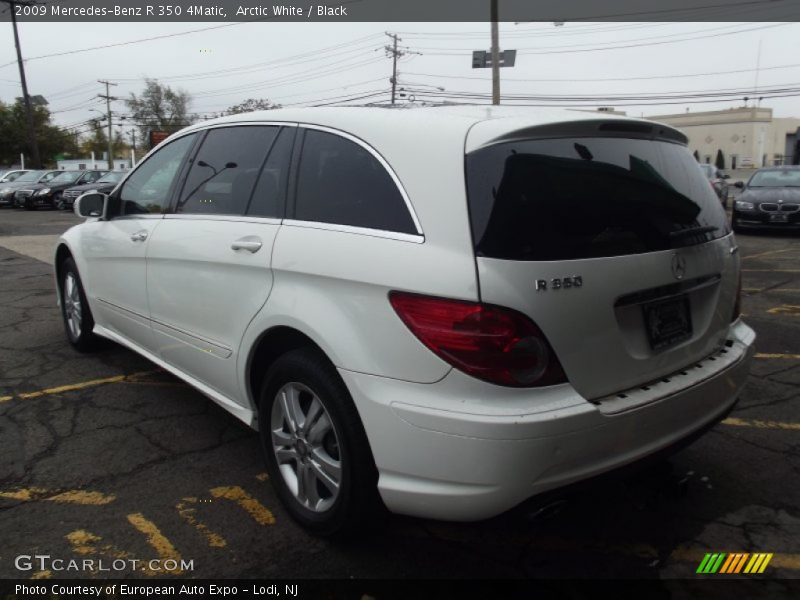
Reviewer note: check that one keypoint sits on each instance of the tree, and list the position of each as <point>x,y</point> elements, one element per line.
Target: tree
<point>14,137</point>
<point>250,105</point>
<point>97,142</point>
<point>696,155</point>
<point>720,161</point>
<point>159,108</point>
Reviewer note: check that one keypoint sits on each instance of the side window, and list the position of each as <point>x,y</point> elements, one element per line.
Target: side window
<point>147,189</point>
<point>267,200</point>
<point>225,170</point>
<point>340,182</point>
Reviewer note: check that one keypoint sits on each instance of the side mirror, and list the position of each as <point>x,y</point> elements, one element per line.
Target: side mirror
<point>91,205</point>
<point>739,184</point>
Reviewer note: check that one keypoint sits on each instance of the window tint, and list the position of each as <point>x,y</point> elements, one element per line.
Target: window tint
<point>225,170</point>
<point>268,197</point>
<point>92,176</point>
<point>147,189</point>
<point>340,182</point>
<point>560,199</point>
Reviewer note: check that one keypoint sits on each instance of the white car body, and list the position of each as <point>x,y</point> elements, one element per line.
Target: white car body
<point>446,444</point>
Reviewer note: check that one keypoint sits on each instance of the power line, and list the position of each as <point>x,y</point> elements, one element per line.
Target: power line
<point>603,79</point>
<point>573,50</point>
<point>291,60</point>
<point>156,37</point>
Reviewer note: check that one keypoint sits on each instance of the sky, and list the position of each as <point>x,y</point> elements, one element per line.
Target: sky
<point>313,63</point>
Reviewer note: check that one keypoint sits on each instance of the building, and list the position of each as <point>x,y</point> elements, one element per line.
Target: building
<point>99,164</point>
<point>749,136</point>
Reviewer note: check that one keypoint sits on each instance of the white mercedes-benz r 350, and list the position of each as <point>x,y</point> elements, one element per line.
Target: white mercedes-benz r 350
<point>443,311</point>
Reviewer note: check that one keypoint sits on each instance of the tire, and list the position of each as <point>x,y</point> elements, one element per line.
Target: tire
<point>304,384</point>
<point>78,320</point>
<point>58,203</point>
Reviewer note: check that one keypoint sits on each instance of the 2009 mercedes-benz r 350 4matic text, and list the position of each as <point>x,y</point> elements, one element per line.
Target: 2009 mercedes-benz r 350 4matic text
<point>446,310</point>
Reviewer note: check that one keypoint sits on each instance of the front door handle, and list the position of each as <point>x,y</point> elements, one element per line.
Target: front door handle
<point>139,236</point>
<point>250,243</point>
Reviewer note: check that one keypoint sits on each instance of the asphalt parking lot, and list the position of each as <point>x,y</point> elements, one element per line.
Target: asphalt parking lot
<point>104,456</point>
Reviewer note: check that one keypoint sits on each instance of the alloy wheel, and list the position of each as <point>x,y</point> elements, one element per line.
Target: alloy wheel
<point>72,305</point>
<point>306,447</point>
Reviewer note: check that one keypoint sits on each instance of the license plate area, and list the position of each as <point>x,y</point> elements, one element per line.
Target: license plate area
<point>778,218</point>
<point>667,322</point>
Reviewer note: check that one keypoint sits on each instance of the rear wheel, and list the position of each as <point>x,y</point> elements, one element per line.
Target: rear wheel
<point>315,446</point>
<point>78,320</point>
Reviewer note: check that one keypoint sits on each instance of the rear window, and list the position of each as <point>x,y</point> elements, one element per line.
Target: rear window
<point>573,198</point>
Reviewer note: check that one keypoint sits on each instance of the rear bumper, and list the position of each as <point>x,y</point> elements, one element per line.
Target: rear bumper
<point>460,449</point>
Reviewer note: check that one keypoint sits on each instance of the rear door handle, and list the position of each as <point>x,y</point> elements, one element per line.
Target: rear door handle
<point>250,243</point>
<point>139,236</point>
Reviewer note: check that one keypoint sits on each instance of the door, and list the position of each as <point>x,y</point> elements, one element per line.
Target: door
<point>115,249</point>
<point>209,261</point>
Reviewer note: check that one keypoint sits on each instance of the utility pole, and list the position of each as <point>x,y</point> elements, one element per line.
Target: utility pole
<point>37,161</point>
<point>108,99</point>
<point>495,55</point>
<point>395,53</point>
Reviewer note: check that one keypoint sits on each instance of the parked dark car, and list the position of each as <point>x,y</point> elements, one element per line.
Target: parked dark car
<point>8,190</point>
<point>718,181</point>
<point>770,199</point>
<point>48,194</point>
<point>105,184</point>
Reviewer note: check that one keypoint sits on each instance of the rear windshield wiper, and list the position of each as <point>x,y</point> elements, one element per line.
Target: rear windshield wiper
<point>692,231</point>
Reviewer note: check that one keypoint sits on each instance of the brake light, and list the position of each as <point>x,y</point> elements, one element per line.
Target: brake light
<point>737,305</point>
<point>495,344</point>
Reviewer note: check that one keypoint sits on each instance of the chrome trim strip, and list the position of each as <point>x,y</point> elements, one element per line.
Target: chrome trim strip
<point>391,235</point>
<point>381,160</point>
<point>213,217</point>
<point>195,341</point>
<point>123,310</point>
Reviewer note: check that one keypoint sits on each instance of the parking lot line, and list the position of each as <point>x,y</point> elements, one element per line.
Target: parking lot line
<point>780,290</point>
<point>785,309</point>
<point>768,356</point>
<point>259,512</point>
<point>156,539</point>
<point>77,386</point>
<point>770,270</point>
<point>188,513</point>
<point>82,497</point>
<point>735,422</point>
<point>767,253</point>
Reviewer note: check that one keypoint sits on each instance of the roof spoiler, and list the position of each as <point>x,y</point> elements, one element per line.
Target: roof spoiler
<point>621,128</point>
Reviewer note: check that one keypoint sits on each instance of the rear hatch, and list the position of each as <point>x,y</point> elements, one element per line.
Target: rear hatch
<point>608,236</point>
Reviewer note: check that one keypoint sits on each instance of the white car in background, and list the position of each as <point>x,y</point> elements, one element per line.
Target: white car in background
<point>444,310</point>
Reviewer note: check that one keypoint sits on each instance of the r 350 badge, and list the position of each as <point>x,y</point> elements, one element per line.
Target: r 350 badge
<point>574,281</point>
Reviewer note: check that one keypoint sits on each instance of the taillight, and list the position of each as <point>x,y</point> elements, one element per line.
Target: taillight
<point>737,305</point>
<point>496,344</point>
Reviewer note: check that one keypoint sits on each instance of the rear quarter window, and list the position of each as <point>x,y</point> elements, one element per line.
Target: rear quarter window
<point>573,198</point>
<point>342,183</point>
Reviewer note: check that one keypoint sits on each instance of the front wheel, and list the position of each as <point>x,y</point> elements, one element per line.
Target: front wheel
<point>316,450</point>
<point>78,320</point>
